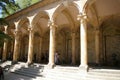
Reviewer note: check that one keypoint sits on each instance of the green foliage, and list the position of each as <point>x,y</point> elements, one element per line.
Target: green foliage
<point>9,7</point>
<point>12,6</point>
<point>3,22</point>
<point>3,38</point>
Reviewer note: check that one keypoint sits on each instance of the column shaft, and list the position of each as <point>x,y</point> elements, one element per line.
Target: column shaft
<point>4,56</point>
<point>52,46</point>
<point>30,48</point>
<point>40,50</point>
<point>83,35</point>
<point>16,47</point>
<point>73,48</point>
<point>97,46</point>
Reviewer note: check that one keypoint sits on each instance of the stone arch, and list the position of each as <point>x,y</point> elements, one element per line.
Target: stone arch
<point>10,48</point>
<point>41,14</point>
<point>39,22</point>
<point>88,3</point>
<point>63,43</point>
<point>62,7</point>
<point>71,25</point>
<point>23,21</point>
<point>36,20</point>
<point>24,38</point>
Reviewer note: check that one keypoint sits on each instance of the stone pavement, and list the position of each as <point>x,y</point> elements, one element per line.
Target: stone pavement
<point>59,73</point>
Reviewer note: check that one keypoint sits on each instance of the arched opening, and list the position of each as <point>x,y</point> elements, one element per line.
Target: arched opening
<point>65,17</point>
<point>23,40</point>
<point>40,37</point>
<point>10,47</point>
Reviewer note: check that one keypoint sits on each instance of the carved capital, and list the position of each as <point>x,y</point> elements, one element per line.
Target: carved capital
<point>81,16</point>
<point>16,32</point>
<point>30,28</point>
<point>51,24</point>
<point>6,29</point>
<point>73,33</point>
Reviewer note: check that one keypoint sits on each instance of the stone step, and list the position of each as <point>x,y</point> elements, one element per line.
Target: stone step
<point>32,70</point>
<point>104,74</point>
<point>77,75</point>
<point>28,73</point>
<point>106,71</point>
<point>80,76</point>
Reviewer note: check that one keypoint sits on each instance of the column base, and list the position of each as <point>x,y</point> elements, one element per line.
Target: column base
<point>83,68</point>
<point>29,63</point>
<point>97,64</point>
<point>3,60</point>
<point>51,66</point>
<point>14,62</point>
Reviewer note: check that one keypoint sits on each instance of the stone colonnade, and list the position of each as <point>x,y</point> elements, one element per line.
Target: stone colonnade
<point>52,26</point>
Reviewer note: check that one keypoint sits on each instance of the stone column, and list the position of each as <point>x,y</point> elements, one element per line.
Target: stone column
<point>73,48</point>
<point>97,45</point>
<point>4,56</point>
<point>16,46</point>
<point>30,47</point>
<point>40,50</point>
<point>51,63</point>
<point>83,39</point>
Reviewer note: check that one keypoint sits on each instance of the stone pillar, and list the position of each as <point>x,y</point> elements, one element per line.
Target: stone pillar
<point>40,50</point>
<point>4,56</point>
<point>73,48</point>
<point>51,63</point>
<point>97,45</point>
<point>83,39</point>
<point>16,46</point>
<point>30,47</point>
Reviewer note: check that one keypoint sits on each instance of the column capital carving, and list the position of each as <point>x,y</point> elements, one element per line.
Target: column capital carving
<point>51,24</point>
<point>81,16</point>
<point>16,32</point>
<point>6,29</point>
<point>97,29</point>
<point>73,34</point>
<point>30,29</point>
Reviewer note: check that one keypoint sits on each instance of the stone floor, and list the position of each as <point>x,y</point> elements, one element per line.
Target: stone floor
<point>11,76</point>
<point>64,73</point>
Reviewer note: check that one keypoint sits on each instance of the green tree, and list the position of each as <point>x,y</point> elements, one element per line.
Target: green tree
<point>3,36</point>
<point>8,7</point>
<point>11,6</point>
